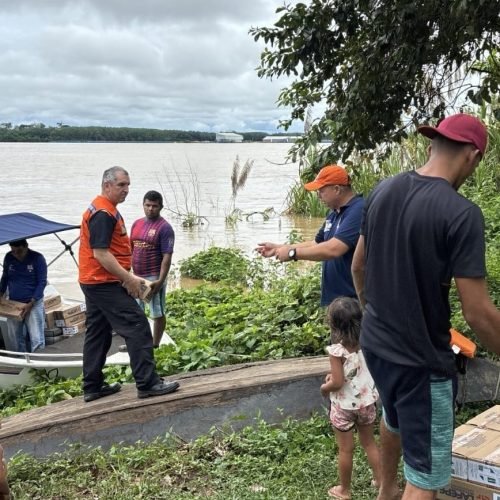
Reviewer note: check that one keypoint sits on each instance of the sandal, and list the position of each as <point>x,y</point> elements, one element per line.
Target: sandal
<point>332,493</point>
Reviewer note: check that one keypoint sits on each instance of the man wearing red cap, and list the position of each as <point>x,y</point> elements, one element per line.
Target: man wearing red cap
<point>335,242</point>
<point>418,233</point>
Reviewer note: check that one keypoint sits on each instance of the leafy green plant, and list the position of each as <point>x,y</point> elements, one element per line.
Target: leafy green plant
<point>294,236</point>
<point>276,317</point>
<point>370,83</point>
<point>300,201</point>
<point>216,264</point>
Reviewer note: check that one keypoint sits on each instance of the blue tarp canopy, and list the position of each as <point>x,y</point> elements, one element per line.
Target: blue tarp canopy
<point>24,225</point>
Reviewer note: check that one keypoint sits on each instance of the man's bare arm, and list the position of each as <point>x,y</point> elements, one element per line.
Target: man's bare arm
<point>269,249</point>
<point>164,269</point>
<point>317,252</point>
<point>109,262</point>
<point>479,311</point>
<point>358,270</point>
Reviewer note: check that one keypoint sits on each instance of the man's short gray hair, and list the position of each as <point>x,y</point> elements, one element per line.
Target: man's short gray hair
<point>110,174</point>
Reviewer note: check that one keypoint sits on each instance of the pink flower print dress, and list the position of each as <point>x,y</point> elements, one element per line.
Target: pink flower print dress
<point>359,389</point>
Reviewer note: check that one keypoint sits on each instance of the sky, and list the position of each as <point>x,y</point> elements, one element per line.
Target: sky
<point>167,64</point>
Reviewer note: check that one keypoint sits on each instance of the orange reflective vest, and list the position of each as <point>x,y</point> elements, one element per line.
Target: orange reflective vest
<point>91,272</point>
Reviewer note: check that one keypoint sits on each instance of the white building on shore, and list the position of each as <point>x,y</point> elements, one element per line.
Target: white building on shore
<point>228,137</point>
<point>280,138</point>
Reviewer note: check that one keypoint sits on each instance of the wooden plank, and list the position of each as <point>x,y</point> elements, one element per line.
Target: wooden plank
<point>207,387</point>
<point>235,394</point>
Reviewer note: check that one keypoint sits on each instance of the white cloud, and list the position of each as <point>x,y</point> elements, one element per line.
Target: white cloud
<point>155,63</point>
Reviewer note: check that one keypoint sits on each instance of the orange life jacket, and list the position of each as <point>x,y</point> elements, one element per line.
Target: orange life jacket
<point>91,271</point>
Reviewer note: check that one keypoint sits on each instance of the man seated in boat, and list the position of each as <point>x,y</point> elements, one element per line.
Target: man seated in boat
<point>25,277</point>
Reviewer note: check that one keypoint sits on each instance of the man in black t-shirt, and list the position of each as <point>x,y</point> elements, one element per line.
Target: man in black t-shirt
<point>418,233</point>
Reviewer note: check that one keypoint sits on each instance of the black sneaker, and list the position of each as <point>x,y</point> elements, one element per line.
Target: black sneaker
<point>106,390</point>
<point>158,389</point>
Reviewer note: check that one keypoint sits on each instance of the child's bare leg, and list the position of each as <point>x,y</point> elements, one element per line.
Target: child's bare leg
<point>367,440</point>
<point>345,443</point>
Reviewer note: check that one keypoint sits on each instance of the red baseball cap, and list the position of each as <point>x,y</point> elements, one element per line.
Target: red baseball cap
<point>460,128</point>
<point>331,175</point>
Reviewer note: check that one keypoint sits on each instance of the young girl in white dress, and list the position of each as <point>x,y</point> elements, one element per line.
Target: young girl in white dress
<point>352,393</point>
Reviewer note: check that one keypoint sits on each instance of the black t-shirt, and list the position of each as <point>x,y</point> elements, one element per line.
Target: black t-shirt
<point>419,233</point>
<point>101,227</point>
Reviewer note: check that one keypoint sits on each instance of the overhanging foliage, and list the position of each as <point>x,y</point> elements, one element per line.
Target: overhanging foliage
<point>380,66</point>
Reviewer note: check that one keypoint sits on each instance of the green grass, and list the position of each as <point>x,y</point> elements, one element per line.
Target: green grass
<point>296,460</point>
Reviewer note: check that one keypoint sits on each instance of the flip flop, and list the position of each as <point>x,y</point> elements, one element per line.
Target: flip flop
<point>332,493</point>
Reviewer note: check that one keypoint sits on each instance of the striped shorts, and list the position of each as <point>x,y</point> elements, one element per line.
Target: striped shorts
<point>419,406</point>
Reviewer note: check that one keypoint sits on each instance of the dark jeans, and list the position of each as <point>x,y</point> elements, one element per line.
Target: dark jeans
<point>110,307</point>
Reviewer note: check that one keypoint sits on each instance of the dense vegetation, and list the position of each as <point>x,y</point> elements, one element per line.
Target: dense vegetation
<point>276,317</point>
<point>378,68</point>
<point>38,132</point>
<point>273,313</point>
<point>291,461</point>
<point>216,264</point>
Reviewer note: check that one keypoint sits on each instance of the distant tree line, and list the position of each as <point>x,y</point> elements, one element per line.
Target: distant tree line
<point>39,132</point>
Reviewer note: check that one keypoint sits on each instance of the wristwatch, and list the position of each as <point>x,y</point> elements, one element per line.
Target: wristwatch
<point>292,254</point>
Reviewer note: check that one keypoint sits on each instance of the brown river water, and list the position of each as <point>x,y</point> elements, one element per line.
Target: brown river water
<point>58,180</point>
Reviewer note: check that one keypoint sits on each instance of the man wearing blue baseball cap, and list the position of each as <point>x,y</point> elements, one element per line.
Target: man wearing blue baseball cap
<point>417,234</point>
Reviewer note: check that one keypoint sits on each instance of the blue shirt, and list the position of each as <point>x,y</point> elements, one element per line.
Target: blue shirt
<point>25,279</point>
<point>344,224</point>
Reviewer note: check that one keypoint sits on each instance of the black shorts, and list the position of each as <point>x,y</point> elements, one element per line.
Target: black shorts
<point>419,406</point>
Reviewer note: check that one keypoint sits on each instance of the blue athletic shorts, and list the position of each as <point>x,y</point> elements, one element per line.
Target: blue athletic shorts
<point>419,406</point>
<point>157,303</point>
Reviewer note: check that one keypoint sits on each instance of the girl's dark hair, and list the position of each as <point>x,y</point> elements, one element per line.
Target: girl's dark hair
<point>344,319</point>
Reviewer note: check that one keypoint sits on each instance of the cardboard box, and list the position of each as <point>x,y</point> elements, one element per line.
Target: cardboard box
<point>71,320</point>
<point>52,332</point>
<point>145,290</point>
<point>53,340</point>
<point>484,466</point>
<point>73,330</point>
<point>463,490</point>
<point>52,301</point>
<point>67,310</point>
<point>11,309</point>
<point>476,450</point>
<point>50,320</point>
<point>489,419</point>
<point>459,461</point>
<point>145,293</point>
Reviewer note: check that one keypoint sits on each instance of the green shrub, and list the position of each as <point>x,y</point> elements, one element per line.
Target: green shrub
<point>216,264</point>
<point>278,317</point>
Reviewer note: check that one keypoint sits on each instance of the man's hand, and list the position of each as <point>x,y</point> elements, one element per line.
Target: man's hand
<point>281,253</point>
<point>267,249</point>
<point>25,310</point>
<point>156,287</point>
<point>133,285</point>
